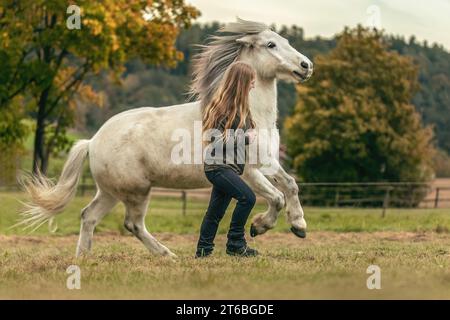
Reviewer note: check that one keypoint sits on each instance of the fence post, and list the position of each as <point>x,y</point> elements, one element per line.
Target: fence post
<point>436,200</point>
<point>411,198</point>
<point>336,198</point>
<point>386,201</point>
<point>183,199</point>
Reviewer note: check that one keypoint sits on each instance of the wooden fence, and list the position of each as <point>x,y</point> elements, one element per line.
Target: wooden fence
<point>369,194</point>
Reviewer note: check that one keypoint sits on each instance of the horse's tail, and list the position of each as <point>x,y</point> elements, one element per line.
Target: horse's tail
<point>49,199</point>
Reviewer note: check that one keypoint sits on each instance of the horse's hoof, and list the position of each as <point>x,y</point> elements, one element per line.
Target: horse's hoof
<point>301,233</point>
<point>253,231</point>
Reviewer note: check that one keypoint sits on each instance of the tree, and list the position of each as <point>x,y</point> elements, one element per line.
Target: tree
<point>354,120</point>
<point>47,61</point>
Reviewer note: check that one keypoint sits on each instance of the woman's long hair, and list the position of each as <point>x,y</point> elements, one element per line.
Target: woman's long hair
<point>231,98</point>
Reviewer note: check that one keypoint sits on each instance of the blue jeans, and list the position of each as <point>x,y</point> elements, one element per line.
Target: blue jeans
<point>227,184</point>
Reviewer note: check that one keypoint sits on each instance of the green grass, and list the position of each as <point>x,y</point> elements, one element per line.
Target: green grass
<point>165,215</point>
<point>325,265</point>
<point>410,246</point>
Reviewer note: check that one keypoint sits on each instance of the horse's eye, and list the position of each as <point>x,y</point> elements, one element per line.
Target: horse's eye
<point>271,45</point>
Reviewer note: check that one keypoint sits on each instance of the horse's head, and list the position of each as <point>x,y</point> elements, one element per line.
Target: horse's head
<point>272,56</point>
<point>253,42</point>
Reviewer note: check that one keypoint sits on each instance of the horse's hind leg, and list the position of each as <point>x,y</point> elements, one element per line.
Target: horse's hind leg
<point>135,223</point>
<point>91,216</point>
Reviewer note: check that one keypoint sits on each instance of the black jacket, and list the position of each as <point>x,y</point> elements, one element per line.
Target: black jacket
<point>239,140</point>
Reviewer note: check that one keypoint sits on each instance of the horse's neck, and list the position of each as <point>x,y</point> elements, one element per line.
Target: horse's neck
<point>263,103</point>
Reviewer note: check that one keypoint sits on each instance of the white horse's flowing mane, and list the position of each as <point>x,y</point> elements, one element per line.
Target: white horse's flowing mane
<point>209,65</point>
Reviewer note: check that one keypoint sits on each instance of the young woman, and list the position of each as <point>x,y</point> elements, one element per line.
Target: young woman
<point>229,113</point>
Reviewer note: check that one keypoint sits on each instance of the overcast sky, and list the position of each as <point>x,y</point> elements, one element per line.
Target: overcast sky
<point>427,20</point>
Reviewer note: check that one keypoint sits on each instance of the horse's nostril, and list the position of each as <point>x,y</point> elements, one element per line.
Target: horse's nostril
<point>305,64</point>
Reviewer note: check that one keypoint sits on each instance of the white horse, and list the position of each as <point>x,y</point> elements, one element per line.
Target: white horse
<point>131,152</point>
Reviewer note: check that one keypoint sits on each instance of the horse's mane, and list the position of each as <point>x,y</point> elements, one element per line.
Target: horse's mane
<point>209,65</point>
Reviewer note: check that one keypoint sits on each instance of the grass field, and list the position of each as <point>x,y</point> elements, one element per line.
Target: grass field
<point>412,248</point>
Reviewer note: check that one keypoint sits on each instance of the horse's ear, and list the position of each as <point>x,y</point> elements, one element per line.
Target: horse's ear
<point>248,40</point>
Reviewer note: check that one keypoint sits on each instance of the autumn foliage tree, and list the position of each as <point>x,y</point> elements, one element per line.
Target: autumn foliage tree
<point>354,120</point>
<point>46,62</point>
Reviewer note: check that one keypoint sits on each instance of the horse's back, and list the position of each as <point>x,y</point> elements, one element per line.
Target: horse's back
<point>133,149</point>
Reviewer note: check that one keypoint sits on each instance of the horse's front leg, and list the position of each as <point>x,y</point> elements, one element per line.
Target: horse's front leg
<point>294,211</point>
<point>275,199</point>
